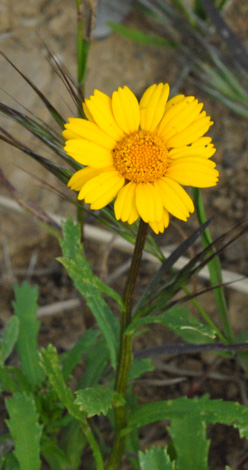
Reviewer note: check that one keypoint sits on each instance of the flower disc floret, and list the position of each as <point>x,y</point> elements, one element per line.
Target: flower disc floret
<point>141,157</point>
<point>141,154</point>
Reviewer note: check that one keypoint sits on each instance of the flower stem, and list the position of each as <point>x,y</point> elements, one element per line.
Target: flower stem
<point>125,351</point>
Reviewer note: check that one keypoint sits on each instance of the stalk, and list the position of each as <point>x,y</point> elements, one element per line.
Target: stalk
<point>125,351</point>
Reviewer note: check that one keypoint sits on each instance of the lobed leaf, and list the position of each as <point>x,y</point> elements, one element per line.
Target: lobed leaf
<point>209,411</point>
<point>90,286</point>
<point>51,366</point>
<point>156,458</point>
<point>8,341</point>
<point>95,400</point>
<point>25,306</point>
<point>25,430</point>
<point>191,447</point>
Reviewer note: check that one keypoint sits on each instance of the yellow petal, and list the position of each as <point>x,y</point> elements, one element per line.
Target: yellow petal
<point>191,133</point>
<point>182,120</point>
<point>193,171</point>
<point>174,198</point>
<point>89,131</point>
<point>202,147</point>
<point>80,177</point>
<point>158,227</point>
<point>99,107</point>
<point>69,134</point>
<point>173,101</point>
<point>173,111</point>
<point>152,106</point>
<point>102,189</point>
<point>148,202</point>
<point>126,111</point>
<point>88,153</point>
<point>125,206</point>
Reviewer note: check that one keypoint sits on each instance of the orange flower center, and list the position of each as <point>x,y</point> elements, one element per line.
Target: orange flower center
<point>141,157</point>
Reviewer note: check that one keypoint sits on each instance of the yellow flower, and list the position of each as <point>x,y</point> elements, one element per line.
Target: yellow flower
<point>141,154</point>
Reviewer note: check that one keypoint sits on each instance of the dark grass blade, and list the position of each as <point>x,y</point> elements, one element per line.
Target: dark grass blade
<point>181,348</point>
<point>42,132</point>
<point>169,262</point>
<point>59,171</point>
<point>63,73</point>
<point>31,208</point>
<point>159,299</point>
<point>234,45</point>
<point>54,113</point>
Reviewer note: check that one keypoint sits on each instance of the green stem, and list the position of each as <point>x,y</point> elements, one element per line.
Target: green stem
<point>214,267</point>
<point>83,46</point>
<point>94,445</point>
<point>125,351</point>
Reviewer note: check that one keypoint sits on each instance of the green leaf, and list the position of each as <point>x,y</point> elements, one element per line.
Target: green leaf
<point>140,367</point>
<point>181,322</point>
<point>156,458</point>
<point>210,411</point>
<point>74,356</point>
<point>25,307</point>
<point>25,430</point>
<point>13,380</point>
<point>7,342</point>
<point>73,442</point>
<point>90,286</point>
<point>146,39</point>
<point>95,400</point>
<point>51,366</point>
<point>96,362</point>
<point>9,462</point>
<point>55,457</point>
<point>191,447</point>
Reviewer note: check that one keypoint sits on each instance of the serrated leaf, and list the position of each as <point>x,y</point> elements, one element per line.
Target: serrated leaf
<point>210,412</point>
<point>25,430</point>
<point>7,342</point>
<point>140,367</point>
<point>25,306</point>
<point>90,287</point>
<point>156,458</point>
<point>181,322</point>
<point>74,355</point>
<point>191,447</point>
<point>50,364</point>
<point>95,400</point>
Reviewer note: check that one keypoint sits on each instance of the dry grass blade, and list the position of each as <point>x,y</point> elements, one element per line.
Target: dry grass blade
<point>55,114</point>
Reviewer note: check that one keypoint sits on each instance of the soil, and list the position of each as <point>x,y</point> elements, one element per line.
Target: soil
<point>29,252</point>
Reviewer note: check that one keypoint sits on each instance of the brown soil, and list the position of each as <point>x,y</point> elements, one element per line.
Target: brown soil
<point>115,62</point>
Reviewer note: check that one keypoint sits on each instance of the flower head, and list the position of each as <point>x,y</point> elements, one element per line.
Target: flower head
<point>140,154</point>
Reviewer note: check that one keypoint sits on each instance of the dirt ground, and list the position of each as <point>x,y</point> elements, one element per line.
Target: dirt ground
<point>115,62</point>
